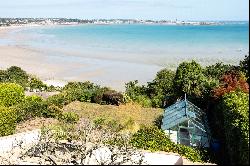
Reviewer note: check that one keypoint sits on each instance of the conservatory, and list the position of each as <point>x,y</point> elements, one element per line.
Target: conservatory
<point>186,124</point>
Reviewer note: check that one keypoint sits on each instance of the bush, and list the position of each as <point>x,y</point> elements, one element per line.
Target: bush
<point>36,84</point>
<point>144,101</point>
<point>133,89</point>
<point>58,100</point>
<point>7,121</point>
<point>154,139</point>
<point>99,122</point>
<point>3,76</point>
<point>112,97</point>
<point>79,85</point>
<point>34,106</point>
<point>98,95</point>
<point>33,98</point>
<point>126,98</point>
<point>69,117</point>
<point>235,107</point>
<point>52,111</point>
<point>114,126</point>
<point>17,75</point>
<point>10,94</point>
<point>80,91</point>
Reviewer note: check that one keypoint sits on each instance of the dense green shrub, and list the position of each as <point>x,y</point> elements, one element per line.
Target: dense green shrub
<point>31,107</point>
<point>143,100</point>
<point>79,85</point>
<point>52,111</point>
<point>58,100</point>
<point>98,95</point>
<point>7,121</point>
<point>126,98</point>
<point>112,97</point>
<point>36,84</point>
<point>80,91</point>
<point>17,75</point>
<point>33,98</point>
<point>10,94</point>
<point>34,106</point>
<point>69,117</point>
<point>154,139</point>
<point>3,76</point>
<point>235,107</point>
<point>99,122</point>
<point>161,87</point>
<point>133,89</point>
<point>244,66</point>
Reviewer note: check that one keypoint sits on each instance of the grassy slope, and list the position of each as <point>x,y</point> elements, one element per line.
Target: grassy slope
<point>121,114</point>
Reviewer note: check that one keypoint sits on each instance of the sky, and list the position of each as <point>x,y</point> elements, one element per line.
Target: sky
<point>231,10</point>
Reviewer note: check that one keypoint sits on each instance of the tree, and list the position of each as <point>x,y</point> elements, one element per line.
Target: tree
<point>133,89</point>
<point>232,81</point>
<point>17,75</point>
<point>244,64</point>
<point>217,71</point>
<point>188,79</point>
<point>35,83</point>
<point>3,76</point>
<point>163,82</point>
<point>161,88</point>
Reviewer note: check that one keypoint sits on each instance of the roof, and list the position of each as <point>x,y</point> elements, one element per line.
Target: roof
<point>182,111</point>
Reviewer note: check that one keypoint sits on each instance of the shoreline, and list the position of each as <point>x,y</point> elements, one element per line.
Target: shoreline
<point>106,70</point>
<point>36,62</point>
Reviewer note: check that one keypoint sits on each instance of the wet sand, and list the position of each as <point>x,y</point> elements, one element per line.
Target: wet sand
<point>111,73</point>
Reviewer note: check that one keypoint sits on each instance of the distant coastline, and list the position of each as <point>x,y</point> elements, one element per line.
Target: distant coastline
<point>65,21</point>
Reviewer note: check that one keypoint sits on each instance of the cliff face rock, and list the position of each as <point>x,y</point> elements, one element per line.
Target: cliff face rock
<point>75,153</point>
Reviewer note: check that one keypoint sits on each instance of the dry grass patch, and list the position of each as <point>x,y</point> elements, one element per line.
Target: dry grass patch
<point>36,123</point>
<point>129,113</point>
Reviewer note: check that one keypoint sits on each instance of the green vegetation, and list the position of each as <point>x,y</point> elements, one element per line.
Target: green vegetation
<point>235,106</point>
<point>86,92</point>
<point>69,117</point>
<point>7,121</point>
<point>16,75</point>
<point>36,84</point>
<point>244,66</point>
<point>10,94</point>
<point>154,139</point>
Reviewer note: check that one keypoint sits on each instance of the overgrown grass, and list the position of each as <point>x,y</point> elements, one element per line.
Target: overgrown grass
<point>131,115</point>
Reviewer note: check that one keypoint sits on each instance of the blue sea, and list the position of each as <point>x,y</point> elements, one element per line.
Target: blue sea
<point>129,52</point>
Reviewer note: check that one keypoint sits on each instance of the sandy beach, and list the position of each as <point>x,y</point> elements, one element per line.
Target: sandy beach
<point>116,54</point>
<point>57,70</point>
<point>30,60</point>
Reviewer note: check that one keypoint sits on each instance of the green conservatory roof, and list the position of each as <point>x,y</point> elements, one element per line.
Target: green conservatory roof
<point>182,111</point>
